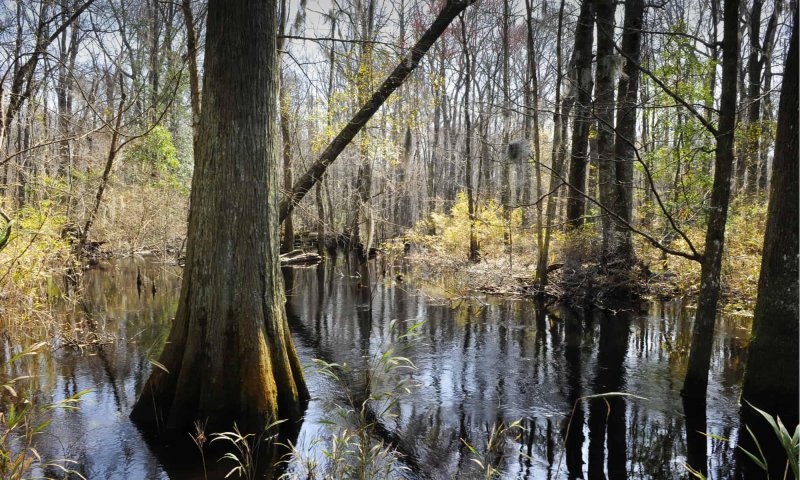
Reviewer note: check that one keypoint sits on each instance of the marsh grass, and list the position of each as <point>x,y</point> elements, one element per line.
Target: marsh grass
<point>790,443</point>
<point>245,449</point>
<point>28,291</point>
<point>354,447</point>
<point>22,421</point>
<point>491,457</point>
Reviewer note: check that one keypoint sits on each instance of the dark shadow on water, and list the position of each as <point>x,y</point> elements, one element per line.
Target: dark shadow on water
<point>696,440</point>
<point>181,457</point>
<point>573,429</point>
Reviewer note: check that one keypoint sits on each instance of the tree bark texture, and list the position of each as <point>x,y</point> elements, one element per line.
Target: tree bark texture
<point>582,82</point>
<point>771,378</point>
<point>624,143</point>
<point>604,112</point>
<point>230,357</point>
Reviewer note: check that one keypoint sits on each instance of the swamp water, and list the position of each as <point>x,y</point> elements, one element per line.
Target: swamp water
<point>478,363</point>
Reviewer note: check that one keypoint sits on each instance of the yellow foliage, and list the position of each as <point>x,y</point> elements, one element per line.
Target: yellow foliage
<point>27,262</point>
<point>452,231</point>
<point>741,262</point>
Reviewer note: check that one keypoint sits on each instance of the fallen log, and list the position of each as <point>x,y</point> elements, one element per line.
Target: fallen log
<point>299,257</point>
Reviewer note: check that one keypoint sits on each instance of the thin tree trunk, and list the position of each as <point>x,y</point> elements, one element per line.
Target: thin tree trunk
<point>754,130</point>
<point>506,188</point>
<point>194,79</point>
<point>113,150</point>
<point>696,381</point>
<point>584,34</point>
<point>474,254</point>
<point>558,155</point>
<point>321,225</point>
<point>287,241</point>
<point>766,59</point>
<point>533,92</point>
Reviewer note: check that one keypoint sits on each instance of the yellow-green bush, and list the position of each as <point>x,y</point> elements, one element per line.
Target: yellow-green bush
<point>449,234</point>
<point>27,262</point>
<point>741,262</point>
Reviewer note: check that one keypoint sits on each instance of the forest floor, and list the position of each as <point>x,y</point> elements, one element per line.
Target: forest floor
<point>448,278</point>
<point>576,276</point>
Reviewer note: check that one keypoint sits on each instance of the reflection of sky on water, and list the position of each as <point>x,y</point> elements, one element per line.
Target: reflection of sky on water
<point>478,364</point>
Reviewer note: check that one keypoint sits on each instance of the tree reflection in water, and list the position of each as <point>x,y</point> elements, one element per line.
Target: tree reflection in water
<point>478,363</point>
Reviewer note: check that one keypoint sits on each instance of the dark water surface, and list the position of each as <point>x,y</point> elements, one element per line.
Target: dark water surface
<point>478,363</point>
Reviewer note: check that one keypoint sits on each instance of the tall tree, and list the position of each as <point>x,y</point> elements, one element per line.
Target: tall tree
<point>624,147</point>
<point>474,254</point>
<point>230,356</point>
<point>191,57</point>
<point>604,113</point>
<point>532,122</point>
<point>362,209</point>
<point>768,51</point>
<point>582,83</point>
<point>287,240</point>
<point>696,381</point>
<point>558,156</point>
<point>505,188</point>
<point>771,377</point>
<point>754,67</point>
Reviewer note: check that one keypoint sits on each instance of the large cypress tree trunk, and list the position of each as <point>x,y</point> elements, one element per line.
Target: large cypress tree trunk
<point>584,37</point>
<point>696,381</point>
<point>230,356</point>
<point>771,378</point>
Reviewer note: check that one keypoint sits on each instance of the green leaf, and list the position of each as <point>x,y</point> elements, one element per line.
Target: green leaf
<point>158,364</point>
<point>761,462</point>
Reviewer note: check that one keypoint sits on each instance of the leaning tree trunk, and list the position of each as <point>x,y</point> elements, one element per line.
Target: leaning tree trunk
<point>399,75</point>
<point>230,357</point>
<point>770,381</point>
<point>696,381</point>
